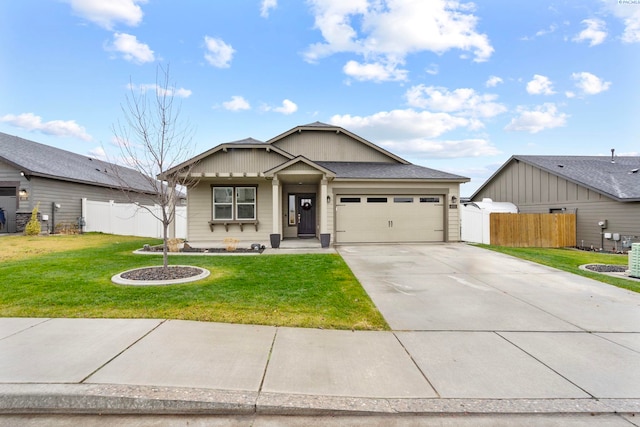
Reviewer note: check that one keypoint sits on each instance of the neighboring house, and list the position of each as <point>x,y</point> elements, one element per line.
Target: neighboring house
<point>603,192</point>
<point>318,181</point>
<point>36,174</point>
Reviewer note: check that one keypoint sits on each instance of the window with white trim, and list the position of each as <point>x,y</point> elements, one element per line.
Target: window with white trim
<point>234,203</point>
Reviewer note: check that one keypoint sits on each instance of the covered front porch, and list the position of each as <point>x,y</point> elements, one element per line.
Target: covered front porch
<point>301,203</point>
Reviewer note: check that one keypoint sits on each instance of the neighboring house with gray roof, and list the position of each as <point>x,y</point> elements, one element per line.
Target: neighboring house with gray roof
<point>32,173</point>
<point>596,188</point>
<point>318,181</point>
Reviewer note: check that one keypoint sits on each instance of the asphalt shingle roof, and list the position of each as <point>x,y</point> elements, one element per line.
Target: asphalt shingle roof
<point>615,179</point>
<point>42,160</point>
<point>373,170</point>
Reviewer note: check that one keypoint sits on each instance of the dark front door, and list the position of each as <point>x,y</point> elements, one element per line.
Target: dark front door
<point>306,215</point>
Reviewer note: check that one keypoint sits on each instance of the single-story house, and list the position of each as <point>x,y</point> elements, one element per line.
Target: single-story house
<point>603,192</point>
<point>317,181</point>
<point>36,174</point>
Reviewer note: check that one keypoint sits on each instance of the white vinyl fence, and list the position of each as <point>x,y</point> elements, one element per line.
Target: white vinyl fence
<point>129,219</point>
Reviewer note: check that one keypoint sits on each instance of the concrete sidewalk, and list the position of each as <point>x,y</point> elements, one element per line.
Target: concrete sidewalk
<point>474,332</point>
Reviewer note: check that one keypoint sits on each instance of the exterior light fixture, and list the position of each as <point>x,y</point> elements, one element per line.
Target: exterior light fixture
<point>24,195</point>
<point>328,199</point>
<point>454,199</point>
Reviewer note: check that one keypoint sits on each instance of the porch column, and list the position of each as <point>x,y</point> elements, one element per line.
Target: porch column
<point>325,237</point>
<point>323,206</point>
<point>275,209</point>
<point>172,208</point>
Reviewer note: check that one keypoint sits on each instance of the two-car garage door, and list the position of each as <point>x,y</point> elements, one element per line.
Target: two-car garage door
<point>389,218</point>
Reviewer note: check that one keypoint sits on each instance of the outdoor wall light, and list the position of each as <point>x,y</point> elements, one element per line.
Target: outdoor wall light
<point>57,206</point>
<point>328,199</point>
<point>454,199</point>
<point>24,195</point>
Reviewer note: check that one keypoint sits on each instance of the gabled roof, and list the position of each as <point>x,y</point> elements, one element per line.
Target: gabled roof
<point>242,143</point>
<point>612,177</point>
<point>299,159</point>
<point>35,159</point>
<point>319,126</point>
<point>375,170</point>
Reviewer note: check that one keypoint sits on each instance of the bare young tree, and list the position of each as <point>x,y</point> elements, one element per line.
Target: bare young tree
<point>153,140</point>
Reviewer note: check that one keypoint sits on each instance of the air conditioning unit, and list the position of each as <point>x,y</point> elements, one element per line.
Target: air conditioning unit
<point>634,260</point>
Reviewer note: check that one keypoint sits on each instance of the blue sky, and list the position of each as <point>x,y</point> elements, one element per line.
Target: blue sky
<point>452,85</point>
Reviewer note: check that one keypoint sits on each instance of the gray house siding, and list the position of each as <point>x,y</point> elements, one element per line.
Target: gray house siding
<point>536,191</point>
<point>329,146</point>
<point>200,206</point>
<point>68,195</point>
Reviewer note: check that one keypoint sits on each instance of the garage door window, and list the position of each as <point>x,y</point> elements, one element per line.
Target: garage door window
<point>429,199</point>
<point>349,199</point>
<point>403,200</point>
<point>376,200</point>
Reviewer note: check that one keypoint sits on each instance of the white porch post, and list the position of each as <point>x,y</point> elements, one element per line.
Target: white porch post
<point>172,207</point>
<point>275,208</point>
<point>323,206</point>
<point>325,236</point>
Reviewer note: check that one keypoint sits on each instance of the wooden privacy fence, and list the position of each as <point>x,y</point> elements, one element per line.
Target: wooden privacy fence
<point>526,230</point>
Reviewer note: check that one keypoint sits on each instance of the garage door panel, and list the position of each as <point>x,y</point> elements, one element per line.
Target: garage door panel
<point>390,218</point>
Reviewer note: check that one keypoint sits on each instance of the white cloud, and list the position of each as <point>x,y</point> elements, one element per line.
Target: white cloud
<point>390,30</point>
<point>540,85</point>
<point>376,72</point>
<point>630,15</point>
<point>447,149</point>
<point>219,54</point>
<point>171,91</point>
<point>590,84</point>
<point>570,94</point>
<point>288,107</point>
<point>266,6</point>
<point>98,153</point>
<point>545,116</point>
<point>595,32</point>
<point>131,49</point>
<point>493,81</point>
<point>31,122</point>
<point>464,101</point>
<point>432,69</point>
<point>552,28</point>
<point>632,28</point>
<point>237,103</point>
<point>402,124</point>
<point>107,13</point>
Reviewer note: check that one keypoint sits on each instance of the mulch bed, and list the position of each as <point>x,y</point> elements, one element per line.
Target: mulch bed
<point>606,268</point>
<point>189,249</point>
<point>161,273</point>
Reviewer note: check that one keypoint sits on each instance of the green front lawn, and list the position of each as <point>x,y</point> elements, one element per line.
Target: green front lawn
<point>284,290</point>
<point>570,259</point>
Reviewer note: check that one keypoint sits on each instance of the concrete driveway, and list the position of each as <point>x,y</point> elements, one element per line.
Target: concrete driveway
<point>457,287</point>
<point>474,319</point>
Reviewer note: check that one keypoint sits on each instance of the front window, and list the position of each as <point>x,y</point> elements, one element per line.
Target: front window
<point>246,203</point>
<point>234,203</point>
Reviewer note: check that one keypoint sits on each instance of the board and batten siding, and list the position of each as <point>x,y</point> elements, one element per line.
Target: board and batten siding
<point>69,196</point>
<point>534,190</point>
<point>330,146</point>
<point>200,205</point>
<point>240,160</point>
<point>11,176</point>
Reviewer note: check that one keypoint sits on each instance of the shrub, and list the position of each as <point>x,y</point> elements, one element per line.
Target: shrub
<point>33,226</point>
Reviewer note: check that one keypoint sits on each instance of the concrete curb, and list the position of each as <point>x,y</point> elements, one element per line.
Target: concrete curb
<point>149,400</point>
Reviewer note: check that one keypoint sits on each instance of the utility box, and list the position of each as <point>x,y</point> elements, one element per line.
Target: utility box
<point>634,260</point>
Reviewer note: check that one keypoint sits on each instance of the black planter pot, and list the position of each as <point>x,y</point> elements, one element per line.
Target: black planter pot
<point>325,240</point>
<point>275,240</point>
